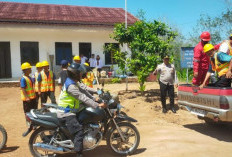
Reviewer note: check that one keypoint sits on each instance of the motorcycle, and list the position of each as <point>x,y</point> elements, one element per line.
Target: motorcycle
<point>3,137</point>
<point>51,137</point>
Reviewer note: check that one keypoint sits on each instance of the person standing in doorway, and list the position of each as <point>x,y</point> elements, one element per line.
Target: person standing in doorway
<point>46,81</point>
<point>35,77</point>
<point>167,80</point>
<point>92,62</point>
<point>99,65</point>
<point>83,59</point>
<point>27,89</point>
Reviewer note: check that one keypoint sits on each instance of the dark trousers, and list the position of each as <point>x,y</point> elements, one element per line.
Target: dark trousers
<point>76,129</point>
<point>37,98</point>
<point>222,82</point>
<point>45,95</point>
<point>163,93</point>
<point>28,105</point>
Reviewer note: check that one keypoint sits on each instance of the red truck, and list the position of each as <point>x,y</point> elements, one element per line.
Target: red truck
<point>212,104</point>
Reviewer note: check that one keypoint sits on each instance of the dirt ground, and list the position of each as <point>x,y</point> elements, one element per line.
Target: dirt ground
<point>162,135</point>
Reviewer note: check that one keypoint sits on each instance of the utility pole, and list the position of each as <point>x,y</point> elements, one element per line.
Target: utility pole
<point>126,44</point>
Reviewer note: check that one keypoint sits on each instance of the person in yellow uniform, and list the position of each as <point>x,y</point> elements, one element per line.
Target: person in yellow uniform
<point>27,89</point>
<point>77,59</point>
<point>46,81</point>
<point>36,84</point>
<point>222,64</point>
<point>88,77</point>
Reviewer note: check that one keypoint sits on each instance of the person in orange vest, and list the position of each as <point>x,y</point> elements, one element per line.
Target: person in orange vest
<point>35,77</point>
<point>88,77</point>
<point>46,81</point>
<point>77,59</point>
<point>221,63</point>
<point>27,89</point>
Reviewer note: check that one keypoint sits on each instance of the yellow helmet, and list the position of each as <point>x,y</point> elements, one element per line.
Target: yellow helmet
<point>208,47</point>
<point>45,63</point>
<point>38,65</point>
<point>77,58</point>
<point>26,65</point>
<point>87,64</point>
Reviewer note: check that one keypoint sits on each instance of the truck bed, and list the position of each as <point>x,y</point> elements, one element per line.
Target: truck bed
<point>209,102</point>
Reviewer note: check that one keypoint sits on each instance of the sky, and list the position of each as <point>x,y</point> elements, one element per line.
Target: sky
<point>181,14</point>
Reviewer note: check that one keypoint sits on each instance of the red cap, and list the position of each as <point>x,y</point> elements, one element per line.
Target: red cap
<point>205,36</point>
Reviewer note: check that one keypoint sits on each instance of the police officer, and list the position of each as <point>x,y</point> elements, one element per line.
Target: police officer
<point>73,98</point>
<point>167,80</point>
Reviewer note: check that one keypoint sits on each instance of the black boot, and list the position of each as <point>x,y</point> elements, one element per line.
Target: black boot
<point>79,155</point>
<point>173,109</point>
<point>165,110</point>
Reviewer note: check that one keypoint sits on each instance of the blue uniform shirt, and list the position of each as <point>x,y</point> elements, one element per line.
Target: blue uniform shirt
<point>23,83</point>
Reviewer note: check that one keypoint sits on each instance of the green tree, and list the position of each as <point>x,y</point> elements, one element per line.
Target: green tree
<point>149,42</point>
<point>219,26</point>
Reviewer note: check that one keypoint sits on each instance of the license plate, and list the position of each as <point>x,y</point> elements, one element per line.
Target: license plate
<point>198,112</point>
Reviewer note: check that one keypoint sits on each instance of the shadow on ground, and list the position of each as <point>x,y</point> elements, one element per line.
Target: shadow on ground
<point>9,149</point>
<point>102,151</point>
<point>218,131</point>
<point>150,95</point>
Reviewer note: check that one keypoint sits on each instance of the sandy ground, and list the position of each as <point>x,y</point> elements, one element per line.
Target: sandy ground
<point>162,135</point>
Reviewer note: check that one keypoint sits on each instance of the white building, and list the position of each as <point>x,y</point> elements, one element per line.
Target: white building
<point>37,32</point>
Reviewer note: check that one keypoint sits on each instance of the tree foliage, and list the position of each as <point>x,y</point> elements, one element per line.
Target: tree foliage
<point>219,27</point>
<point>149,42</point>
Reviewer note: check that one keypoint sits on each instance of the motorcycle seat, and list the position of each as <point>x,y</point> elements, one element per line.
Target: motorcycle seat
<point>51,117</point>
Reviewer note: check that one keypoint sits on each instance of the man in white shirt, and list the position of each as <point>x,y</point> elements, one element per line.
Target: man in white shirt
<point>98,64</point>
<point>167,80</point>
<point>226,46</point>
<point>83,59</point>
<point>92,61</point>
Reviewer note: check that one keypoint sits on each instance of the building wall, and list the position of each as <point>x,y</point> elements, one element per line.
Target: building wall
<point>47,36</point>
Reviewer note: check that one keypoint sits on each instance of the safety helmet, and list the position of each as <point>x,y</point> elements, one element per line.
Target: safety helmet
<point>87,64</point>
<point>75,70</point>
<point>208,47</point>
<point>77,58</point>
<point>26,65</point>
<point>38,65</point>
<point>87,68</point>
<point>45,63</point>
<point>205,36</point>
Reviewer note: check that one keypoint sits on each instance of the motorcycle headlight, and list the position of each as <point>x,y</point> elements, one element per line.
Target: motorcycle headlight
<point>111,101</point>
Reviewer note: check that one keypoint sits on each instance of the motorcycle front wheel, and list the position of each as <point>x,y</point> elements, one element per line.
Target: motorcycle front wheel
<point>3,137</point>
<point>131,135</point>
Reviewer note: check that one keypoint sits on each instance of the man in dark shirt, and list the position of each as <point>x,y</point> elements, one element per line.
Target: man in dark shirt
<point>63,73</point>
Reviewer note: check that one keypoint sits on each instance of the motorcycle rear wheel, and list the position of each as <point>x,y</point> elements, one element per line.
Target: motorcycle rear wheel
<point>114,140</point>
<point>3,137</point>
<point>43,134</point>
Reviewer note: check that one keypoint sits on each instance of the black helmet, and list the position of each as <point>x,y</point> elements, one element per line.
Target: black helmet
<point>75,71</point>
